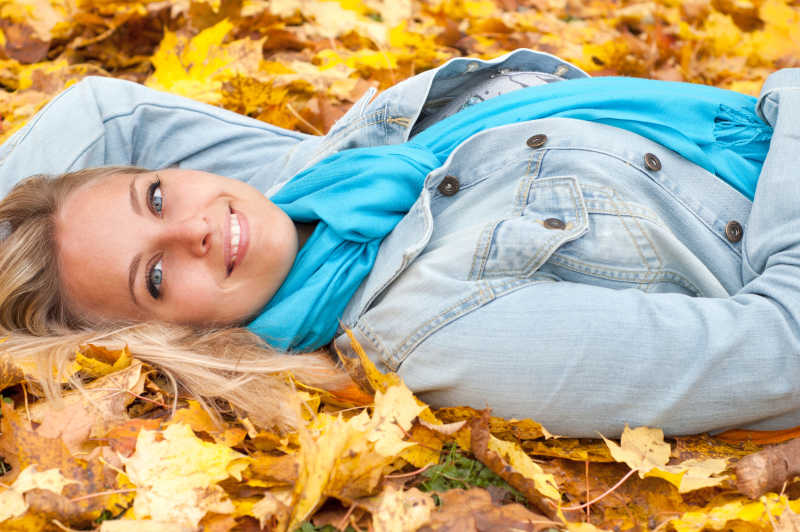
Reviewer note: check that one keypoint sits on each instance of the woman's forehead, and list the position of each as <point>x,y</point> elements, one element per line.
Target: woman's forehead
<point>96,235</point>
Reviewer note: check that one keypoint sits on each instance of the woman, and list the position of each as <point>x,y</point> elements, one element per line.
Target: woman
<point>546,267</point>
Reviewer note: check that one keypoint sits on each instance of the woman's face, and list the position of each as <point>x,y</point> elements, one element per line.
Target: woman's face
<point>175,245</point>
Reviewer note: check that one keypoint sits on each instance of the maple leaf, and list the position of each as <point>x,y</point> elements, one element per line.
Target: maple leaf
<point>196,67</point>
<point>22,447</point>
<point>176,477</point>
<point>646,452</point>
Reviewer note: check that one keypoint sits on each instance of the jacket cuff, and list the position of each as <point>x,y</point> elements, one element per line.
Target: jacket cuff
<point>767,105</point>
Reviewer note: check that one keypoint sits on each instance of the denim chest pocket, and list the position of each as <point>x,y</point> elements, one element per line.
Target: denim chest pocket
<point>546,214</point>
<point>563,229</point>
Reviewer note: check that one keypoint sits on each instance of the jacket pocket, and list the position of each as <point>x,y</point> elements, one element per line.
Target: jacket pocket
<point>547,213</point>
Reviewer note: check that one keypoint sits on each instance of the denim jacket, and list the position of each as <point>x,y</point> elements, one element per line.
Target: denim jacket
<point>570,272</point>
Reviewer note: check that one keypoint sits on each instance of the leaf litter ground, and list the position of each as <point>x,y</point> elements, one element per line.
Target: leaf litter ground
<point>115,457</point>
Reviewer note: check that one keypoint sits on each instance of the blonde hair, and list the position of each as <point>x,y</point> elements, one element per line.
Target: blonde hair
<point>232,364</point>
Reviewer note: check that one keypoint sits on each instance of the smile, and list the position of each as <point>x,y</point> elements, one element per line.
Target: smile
<point>238,238</point>
<point>236,232</point>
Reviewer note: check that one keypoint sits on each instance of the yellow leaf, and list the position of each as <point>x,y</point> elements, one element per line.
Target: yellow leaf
<point>317,459</point>
<point>692,474</point>
<point>12,503</point>
<point>525,466</point>
<point>395,410</point>
<point>197,67</point>
<point>176,477</point>
<point>131,525</point>
<point>401,511</point>
<point>428,448</point>
<point>641,448</point>
<point>583,527</point>
<point>646,452</point>
<point>717,517</point>
<point>93,364</point>
<point>379,381</point>
<point>274,504</point>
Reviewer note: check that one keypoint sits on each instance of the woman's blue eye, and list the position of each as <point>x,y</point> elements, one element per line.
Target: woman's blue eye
<point>154,197</point>
<point>154,277</point>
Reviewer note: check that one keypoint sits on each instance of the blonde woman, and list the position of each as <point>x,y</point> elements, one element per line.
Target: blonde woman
<point>587,253</point>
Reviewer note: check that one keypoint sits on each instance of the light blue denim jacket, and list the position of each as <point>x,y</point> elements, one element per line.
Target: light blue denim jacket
<point>587,279</point>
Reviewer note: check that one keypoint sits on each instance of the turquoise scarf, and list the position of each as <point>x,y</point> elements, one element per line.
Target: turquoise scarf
<point>357,196</point>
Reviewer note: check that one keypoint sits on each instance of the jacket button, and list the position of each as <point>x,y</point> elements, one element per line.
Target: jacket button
<point>652,162</point>
<point>537,141</point>
<point>449,185</point>
<point>734,231</point>
<point>554,223</point>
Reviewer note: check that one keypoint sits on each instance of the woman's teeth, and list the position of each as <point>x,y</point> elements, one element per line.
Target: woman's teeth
<point>235,233</point>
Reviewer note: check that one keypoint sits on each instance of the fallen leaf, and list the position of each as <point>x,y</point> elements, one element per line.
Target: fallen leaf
<point>473,510</point>
<point>646,452</point>
<point>395,510</point>
<point>176,477</point>
<point>483,447</point>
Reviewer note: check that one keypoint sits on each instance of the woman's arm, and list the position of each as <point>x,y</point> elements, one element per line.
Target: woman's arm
<point>105,121</point>
<point>582,359</point>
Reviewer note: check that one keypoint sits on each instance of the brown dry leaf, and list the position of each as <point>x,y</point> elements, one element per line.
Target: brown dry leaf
<point>20,447</point>
<point>529,486</point>
<point>268,470</point>
<point>506,429</point>
<point>94,410</point>
<point>122,438</point>
<point>473,510</point>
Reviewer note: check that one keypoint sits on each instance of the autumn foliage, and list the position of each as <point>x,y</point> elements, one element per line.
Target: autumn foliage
<point>116,457</point>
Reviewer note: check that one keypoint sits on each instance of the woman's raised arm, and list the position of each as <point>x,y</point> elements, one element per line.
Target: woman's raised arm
<point>105,121</point>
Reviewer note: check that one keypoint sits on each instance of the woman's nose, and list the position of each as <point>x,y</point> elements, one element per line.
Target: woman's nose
<point>193,234</point>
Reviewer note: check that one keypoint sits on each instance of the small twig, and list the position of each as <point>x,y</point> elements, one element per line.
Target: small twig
<point>607,492</point>
<point>101,493</point>
<point>588,508</point>
<point>412,473</point>
<point>354,524</point>
<point>343,520</point>
<point>769,515</point>
<point>62,526</point>
<point>408,435</point>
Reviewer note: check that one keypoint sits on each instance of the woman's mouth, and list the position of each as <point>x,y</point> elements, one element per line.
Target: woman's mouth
<point>239,237</point>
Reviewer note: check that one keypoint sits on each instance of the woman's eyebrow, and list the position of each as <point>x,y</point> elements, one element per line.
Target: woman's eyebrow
<point>134,196</point>
<point>132,275</point>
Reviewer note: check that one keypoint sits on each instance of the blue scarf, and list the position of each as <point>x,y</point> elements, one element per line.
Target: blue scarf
<point>357,196</point>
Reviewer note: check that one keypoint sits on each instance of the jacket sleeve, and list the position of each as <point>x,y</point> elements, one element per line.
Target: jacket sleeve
<point>105,121</point>
<point>584,359</point>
